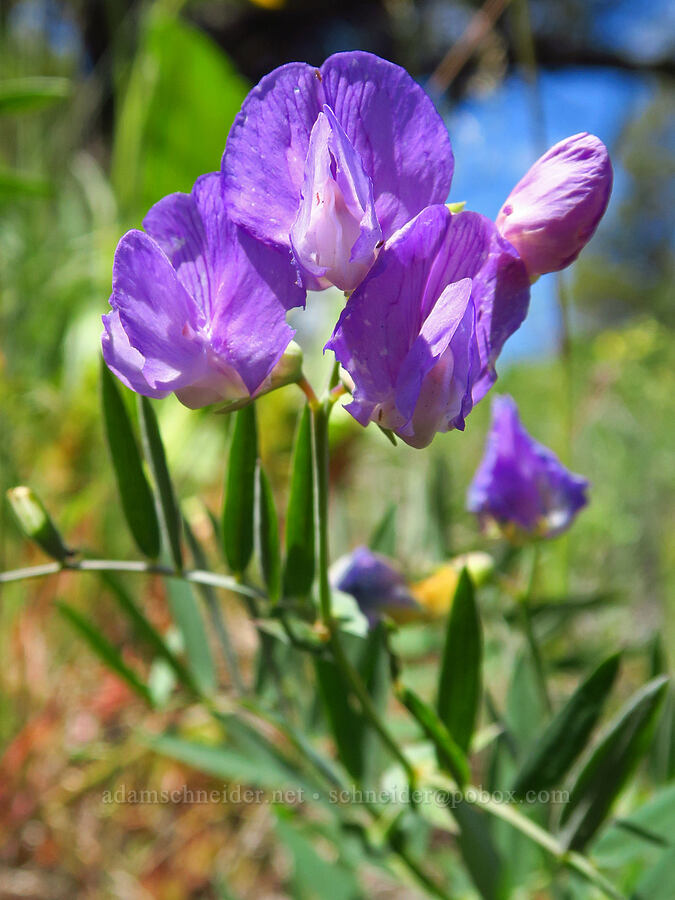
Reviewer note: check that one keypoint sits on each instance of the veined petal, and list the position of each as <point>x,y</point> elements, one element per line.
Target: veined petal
<point>159,317</point>
<point>433,389</point>
<point>395,129</point>
<point>389,121</point>
<point>522,485</point>
<point>336,233</point>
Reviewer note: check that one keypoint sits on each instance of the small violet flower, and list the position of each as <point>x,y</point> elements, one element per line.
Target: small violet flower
<point>330,162</point>
<point>553,211</point>
<point>420,336</point>
<point>198,306</point>
<point>376,585</point>
<point>521,485</point>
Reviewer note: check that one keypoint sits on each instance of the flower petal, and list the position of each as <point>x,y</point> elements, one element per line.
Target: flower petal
<point>433,389</point>
<point>336,233</point>
<point>264,161</point>
<point>395,129</point>
<point>160,319</point>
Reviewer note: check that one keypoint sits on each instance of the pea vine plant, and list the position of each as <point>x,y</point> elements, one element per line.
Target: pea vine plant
<point>377,798</point>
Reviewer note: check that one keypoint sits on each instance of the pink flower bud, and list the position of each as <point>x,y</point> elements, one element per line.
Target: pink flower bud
<point>553,211</point>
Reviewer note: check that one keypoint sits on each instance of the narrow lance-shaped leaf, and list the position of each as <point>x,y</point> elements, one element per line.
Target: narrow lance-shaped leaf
<point>459,687</point>
<point>299,565</point>
<point>146,631</point>
<point>135,493</point>
<point>187,615</point>
<point>610,765</point>
<point>240,492</point>
<point>154,453</point>
<point>36,523</point>
<point>267,532</point>
<point>383,538</point>
<point>478,851</point>
<point>567,735</point>
<point>450,756</point>
<point>105,650</point>
<point>345,722</point>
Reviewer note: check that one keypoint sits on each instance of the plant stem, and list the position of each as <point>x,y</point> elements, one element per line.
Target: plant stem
<point>320,417</point>
<point>524,606</point>
<point>197,576</point>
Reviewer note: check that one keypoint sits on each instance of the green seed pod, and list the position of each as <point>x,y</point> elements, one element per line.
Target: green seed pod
<point>36,523</point>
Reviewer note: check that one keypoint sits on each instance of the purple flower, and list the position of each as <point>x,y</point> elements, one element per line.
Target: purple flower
<point>198,306</point>
<point>421,334</point>
<point>522,485</point>
<point>376,585</point>
<point>553,211</point>
<point>330,162</point>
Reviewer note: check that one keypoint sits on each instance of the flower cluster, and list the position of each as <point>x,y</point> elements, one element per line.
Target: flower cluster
<point>339,176</point>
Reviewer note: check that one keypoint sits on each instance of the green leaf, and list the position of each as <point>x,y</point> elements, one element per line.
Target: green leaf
<point>479,853</point>
<point>450,756</point>
<point>611,764</point>
<point>299,564</point>
<point>657,883</point>
<point>383,538</point>
<point>187,615</point>
<point>36,523</point>
<point>146,631</point>
<point>569,732</point>
<point>240,492</point>
<point>104,650</point>
<point>267,532</point>
<point>650,825</point>
<point>21,95</point>
<point>459,687</point>
<point>135,493</point>
<point>169,511</point>
<point>525,710</point>
<point>314,876</point>
<point>345,721</point>
<point>181,84</point>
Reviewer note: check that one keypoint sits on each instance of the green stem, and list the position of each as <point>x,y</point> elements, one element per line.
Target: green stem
<point>524,606</point>
<point>320,417</point>
<point>197,576</point>
<point>569,858</point>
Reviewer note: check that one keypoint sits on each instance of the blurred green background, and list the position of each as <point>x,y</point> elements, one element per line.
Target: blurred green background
<point>138,103</point>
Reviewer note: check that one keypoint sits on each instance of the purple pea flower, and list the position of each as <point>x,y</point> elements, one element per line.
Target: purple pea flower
<point>376,585</point>
<point>330,162</point>
<point>199,306</point>
<point>553,211</point>
<point>521,485</point>
<point>420,336</point>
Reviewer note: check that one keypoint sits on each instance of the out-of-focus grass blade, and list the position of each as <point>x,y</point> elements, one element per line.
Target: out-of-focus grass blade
<point>299,563</point>
<point>312,875</point>
<point>240,491</point>
<point>610,764</point>
<point>657,883</point>
<point>135,493</point>
<point>267,532</point>
<point>105,650</point>
<point>567,735</point>
<point>21,95</point>
<point>36,523</point>
<point>215,612</point>
<point>188,618</point>
<point>21,184</point>
<point>383,538</point>
<point>450,755</point>
<point>479,853</point>
<point>439,486</point>
<point>154,453</point>
<point>146,632</point>
<point>459,687</point>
